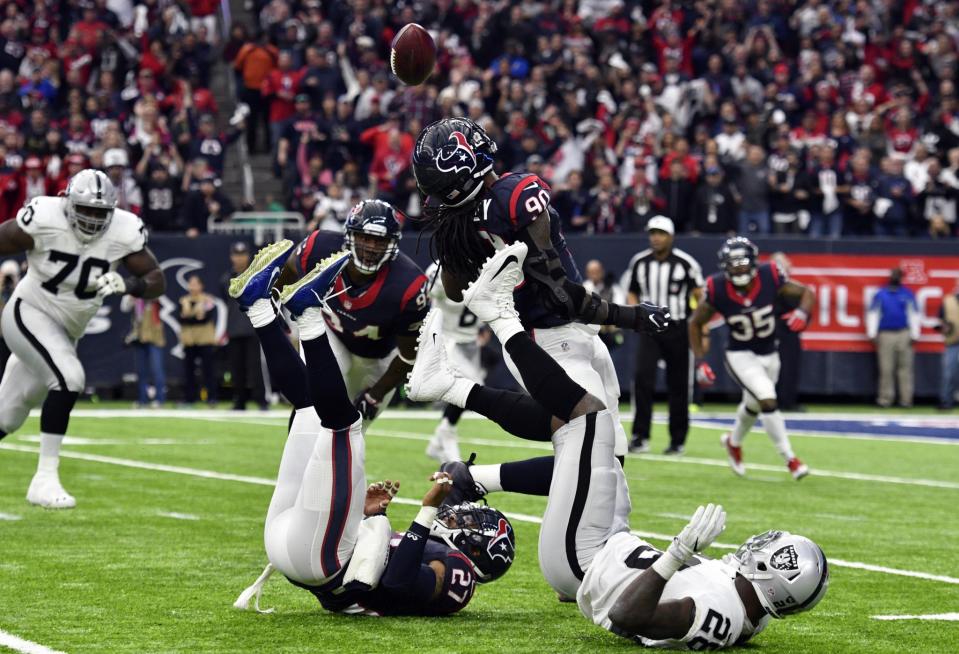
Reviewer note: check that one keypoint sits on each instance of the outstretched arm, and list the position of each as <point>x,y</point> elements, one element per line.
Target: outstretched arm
<point>571,300</point>
<point>14,240</point>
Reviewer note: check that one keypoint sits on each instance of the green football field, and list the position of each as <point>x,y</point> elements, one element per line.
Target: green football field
<point>168,531</point>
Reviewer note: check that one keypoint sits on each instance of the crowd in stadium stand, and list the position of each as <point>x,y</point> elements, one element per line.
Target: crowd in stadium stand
<point>825,118</point>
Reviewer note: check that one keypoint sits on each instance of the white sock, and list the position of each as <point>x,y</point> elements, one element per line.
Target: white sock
<point>49,452</point>
<point>311,324</point>
<point>458,392</point>
<point>506,327</point>
<point>487,476</point>
<point>261,313</point>
<point>445,427</point>
<point>775,425</point>
<point>744,422</point>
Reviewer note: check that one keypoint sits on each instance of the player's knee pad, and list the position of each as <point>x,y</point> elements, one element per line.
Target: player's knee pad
<point>751,406</point>
<point>769,406</point>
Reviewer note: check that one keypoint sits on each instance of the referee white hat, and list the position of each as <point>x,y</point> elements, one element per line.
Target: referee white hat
<point>661,223</point>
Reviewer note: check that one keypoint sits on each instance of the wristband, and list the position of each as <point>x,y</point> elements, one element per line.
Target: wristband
<point>135,286</point>
<point>667,565</point>
<point>426,516</point>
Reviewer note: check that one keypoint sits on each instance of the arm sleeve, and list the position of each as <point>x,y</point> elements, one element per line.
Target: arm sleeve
<point>414,307</point>
<point>406,573</point>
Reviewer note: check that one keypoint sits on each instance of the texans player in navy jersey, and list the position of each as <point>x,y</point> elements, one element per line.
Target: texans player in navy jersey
<point>474,212</point>
<point>379,302</point>
<point>325,530</point>
<point>745,293</point>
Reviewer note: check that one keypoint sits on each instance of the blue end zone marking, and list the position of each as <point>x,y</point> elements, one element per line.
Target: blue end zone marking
<point>936,428</point>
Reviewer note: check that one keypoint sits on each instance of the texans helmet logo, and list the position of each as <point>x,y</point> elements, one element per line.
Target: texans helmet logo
<point>456,155</point>
<point>500,546</point>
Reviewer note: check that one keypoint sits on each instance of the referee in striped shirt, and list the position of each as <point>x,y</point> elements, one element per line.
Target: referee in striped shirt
<point>665,276</point>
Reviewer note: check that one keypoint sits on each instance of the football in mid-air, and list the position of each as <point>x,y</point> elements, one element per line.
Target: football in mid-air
<point>412,54</point>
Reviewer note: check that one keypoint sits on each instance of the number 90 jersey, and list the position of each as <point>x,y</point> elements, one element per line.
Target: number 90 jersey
<point>752,317</point>
<point>62,271</point>
<point>719,619</point>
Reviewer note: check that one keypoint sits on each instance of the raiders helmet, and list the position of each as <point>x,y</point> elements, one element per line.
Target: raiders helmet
<point>480,532</point>
<point>375,218</point>
<point>736,253</point>
<point>451,158</point>
<point>789,572</point>
<point>89,202</point>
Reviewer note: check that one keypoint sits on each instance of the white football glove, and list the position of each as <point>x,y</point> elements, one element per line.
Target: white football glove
<point>111,283</point>
<point>706,524</point>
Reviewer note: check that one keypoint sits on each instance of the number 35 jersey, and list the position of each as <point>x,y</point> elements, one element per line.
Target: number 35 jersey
<point>751,318</point>
<point>367,319</point>
<point>719,619</point>
<point>62,271</point>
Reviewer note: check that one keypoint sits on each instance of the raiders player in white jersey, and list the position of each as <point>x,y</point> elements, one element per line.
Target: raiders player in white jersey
<point>74,245</point>
<point>461,332</point>
<point>676,598</point>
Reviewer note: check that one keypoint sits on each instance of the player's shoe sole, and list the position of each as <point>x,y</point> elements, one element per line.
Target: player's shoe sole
<point>734,455</point>
<point>431,376</point>
<point>256,282</point>
<point>315,287</point>
<point>465,488</point>
<point>46,491</point>
<point>490,296</point>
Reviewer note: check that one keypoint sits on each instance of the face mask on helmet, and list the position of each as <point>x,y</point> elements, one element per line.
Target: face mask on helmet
<point>740,271</point>
<point>89,204</point>
<point>373,231</point>
<point>788,572</point>
<point>481,533</point>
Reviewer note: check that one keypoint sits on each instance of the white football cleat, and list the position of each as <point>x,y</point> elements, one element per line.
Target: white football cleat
<point>444,446</point>
<point>735,455</point>
<point>490,297</point>
<point>46,491</point>
<point>431,377</point>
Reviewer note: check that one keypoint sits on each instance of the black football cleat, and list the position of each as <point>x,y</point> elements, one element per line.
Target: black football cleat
<point>464,488</point>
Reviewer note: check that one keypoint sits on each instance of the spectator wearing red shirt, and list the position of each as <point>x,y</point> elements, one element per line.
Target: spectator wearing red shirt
<point>281,87</point>
<point>87,30</point>
<point>203,14</point>
<point>34,182</point>
<point>681,153</point>
<point>391,160</point>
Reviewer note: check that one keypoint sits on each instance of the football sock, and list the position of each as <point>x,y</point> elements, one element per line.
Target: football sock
<point>55,415</point>
<point>261,312</point>
<point>49,452</point>
<point>327,389</point>
<point>745,419</point>
<point>530,477</point>
<point>488,477</point>
<point>287,371</point>
<point>311,323</point>
<point>545,379</point>
<point>3,434</point>
<point>517,413</point>
<point>775,425</point>
<point>451,413</point>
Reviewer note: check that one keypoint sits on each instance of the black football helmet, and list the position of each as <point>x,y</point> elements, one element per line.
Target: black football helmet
<point>738,259</point>
<point>451,158</point>
<point>374,218</point>
<point>480,532</point>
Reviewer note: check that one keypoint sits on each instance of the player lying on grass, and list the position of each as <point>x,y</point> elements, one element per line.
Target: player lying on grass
<point>325,530</point>
<point>675,598</point>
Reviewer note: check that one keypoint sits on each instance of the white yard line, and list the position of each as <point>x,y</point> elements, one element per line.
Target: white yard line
<point>947,617</point>
<point>521,517</point>
<point>686,460</point>
<point>177,516</point>
<point>9,516</point>
<point>24,646</point>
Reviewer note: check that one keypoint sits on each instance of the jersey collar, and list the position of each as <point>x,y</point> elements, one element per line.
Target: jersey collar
<point>367,296</point>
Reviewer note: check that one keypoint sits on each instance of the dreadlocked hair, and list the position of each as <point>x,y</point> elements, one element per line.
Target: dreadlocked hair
<point>456,244</point>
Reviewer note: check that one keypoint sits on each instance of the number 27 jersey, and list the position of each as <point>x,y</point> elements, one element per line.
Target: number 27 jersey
<point>751,317</point>
<point>62,271</point>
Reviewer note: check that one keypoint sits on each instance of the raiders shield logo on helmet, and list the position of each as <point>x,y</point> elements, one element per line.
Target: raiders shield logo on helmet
<point>785,558</point>
<point>500,546</point>
<point>456,155</point>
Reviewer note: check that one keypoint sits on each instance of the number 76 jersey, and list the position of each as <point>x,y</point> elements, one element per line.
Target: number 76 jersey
<point>62,271</point>
<point>751,317</point>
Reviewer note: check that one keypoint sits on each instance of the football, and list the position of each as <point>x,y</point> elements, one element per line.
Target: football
<point>412,55</point>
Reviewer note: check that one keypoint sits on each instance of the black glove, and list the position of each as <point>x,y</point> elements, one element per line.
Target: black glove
<point>652,319</point>
<point>367,405</point>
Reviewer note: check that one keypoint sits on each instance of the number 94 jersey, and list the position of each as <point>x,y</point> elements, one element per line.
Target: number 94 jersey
<point>719,619</point>
<point>62,271</point>
<point>751,317</point>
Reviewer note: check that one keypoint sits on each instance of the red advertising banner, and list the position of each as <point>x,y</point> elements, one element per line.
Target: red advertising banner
<point>845,284</point>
